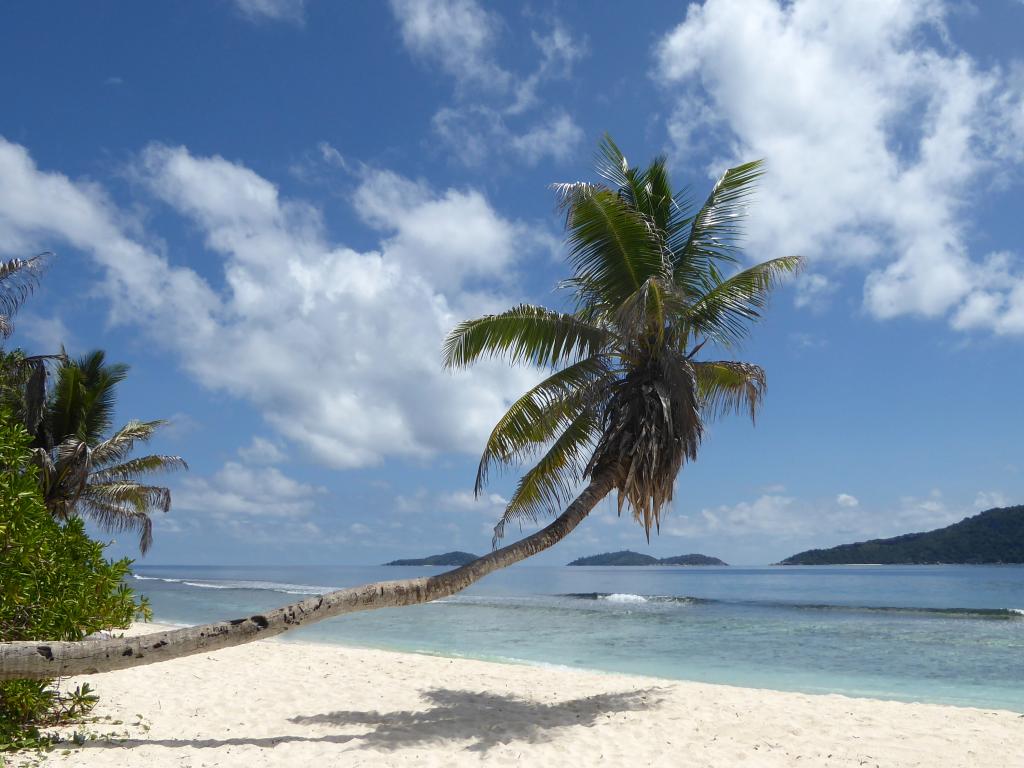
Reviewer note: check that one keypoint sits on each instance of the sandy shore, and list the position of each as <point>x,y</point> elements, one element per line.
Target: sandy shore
<point>285,704</point>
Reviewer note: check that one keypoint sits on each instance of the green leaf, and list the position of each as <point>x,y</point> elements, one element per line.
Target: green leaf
<point>551,482</point>
<point>525,334</point>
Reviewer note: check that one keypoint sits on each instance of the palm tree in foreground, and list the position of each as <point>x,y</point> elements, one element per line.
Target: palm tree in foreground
<point>86,471</point>
<point>623,408</point>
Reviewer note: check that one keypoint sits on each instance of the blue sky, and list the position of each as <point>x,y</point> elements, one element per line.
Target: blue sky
<point>274,210</point>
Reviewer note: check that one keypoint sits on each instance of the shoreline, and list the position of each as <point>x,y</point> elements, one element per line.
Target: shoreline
<point>292,638</point>
<point>293,703</point>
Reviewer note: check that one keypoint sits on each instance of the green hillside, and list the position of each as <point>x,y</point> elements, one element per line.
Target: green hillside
<point>626,557</point>
<point>995,536</point>
<point>448,558</point>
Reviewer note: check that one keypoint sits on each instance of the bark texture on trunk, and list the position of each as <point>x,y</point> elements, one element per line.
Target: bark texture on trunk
<point>41,659</point>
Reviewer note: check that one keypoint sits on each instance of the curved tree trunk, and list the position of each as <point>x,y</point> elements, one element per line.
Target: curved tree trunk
<point>41,660</point>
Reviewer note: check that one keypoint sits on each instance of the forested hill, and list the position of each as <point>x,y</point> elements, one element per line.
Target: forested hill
<point>995,536</point>
<point>448,558</point>
<point>626,557</point>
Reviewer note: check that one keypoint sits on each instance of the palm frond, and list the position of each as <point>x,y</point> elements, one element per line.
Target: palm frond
<point>18,279</point>
<point>725,311</point>
<point>611,247</point>
<point>114,516</point>
<point>142,465</point>
<point>118,446</point>
<point>83,397</point>
<point>137,496</point>
<point>551,482</point>
<point>566,192</point>
<point>536,417</point>
<point>714,234</point>
<point>726,386</point>
<point>525,334</point>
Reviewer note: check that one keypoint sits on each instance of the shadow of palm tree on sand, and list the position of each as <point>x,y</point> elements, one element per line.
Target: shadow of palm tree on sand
<point>487,719</point>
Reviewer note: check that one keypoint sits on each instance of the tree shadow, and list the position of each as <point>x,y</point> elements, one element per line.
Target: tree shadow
<point>483,718</point>
<point>487,719</point>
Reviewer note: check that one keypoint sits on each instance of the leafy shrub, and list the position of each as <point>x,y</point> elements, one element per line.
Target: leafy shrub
<point>55,584</point>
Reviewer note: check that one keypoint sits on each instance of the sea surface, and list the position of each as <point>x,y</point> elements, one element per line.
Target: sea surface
<point>944,634</point>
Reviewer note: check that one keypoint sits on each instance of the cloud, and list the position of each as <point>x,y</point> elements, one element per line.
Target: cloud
<point>459,37</point>
<point>464,236</point>
<point>490,505</point>
<point>813,291</point>
<point>560,52</point>
<point>261,451</point>
<point>238,490</point>
<point>139,283</point>
<point>875,128</point>
<point>558,139</point>
<point>455,35</point>
<point>989,499</point>
<point>272,10</point>
<point>339,349</point>
<point>777,517</point>
<point>47,334</point>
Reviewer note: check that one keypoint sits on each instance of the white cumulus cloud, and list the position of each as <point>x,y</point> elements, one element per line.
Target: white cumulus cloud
<point>339,349</point>
<point>489,113</point>
<point>876,128</point>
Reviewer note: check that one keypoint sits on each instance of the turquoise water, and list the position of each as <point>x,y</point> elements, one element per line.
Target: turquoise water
<point>947,634</point>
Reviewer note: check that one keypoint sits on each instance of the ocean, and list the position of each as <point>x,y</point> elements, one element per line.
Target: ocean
<point>942,634</point>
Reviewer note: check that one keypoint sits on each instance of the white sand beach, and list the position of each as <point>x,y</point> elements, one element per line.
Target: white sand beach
<point>272,703</point>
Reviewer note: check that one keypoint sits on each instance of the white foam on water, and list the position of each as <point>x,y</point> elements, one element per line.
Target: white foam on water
<point>207,586</point>
<point>1018,611</point>
<point>269,586</point>
<point>624,598</point>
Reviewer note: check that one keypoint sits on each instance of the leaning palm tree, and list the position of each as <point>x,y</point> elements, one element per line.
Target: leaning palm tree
<point>623,407</point>
<point>83,471</point>
<point>627,398</point>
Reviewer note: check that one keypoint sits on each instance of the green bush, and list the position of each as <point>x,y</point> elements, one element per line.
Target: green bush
<point>55,584</point>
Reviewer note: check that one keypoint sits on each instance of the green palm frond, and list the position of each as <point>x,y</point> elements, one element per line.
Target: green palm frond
<point>536,417</point>
<point>726,386</point>
<point>551,482</point>
<point>137,496</point>
<point>118,446</point>
<point>610,246</point>
<point>113,516</point>
<point>142,465</point>
<point>725,312</point>
<point>647,190</point>
<point>525,334</point>
<point>713,237</point>
<point>83,398</point>
<point>566,193</point>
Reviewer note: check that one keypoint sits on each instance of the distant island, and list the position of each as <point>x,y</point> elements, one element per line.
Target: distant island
<point>995,536</point>
<point>448,558</point>
<point>626,557</point>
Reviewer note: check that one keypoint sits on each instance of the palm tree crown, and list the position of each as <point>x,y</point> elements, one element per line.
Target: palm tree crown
<point>627,397</point>
<point>86,472</point>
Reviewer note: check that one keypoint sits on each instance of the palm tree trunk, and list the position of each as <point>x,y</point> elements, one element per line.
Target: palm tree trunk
<point>42,660</point>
